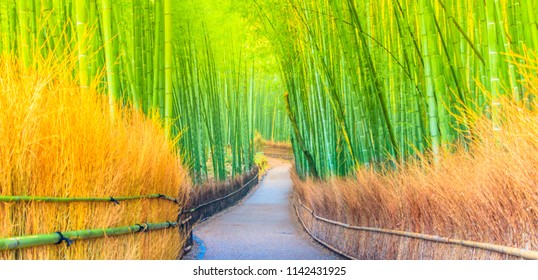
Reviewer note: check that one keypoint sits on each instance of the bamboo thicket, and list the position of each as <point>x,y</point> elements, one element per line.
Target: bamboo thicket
<point>152,55</point>
<point>372,83</point>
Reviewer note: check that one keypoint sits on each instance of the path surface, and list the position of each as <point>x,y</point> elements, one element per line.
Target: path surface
<point>263,226</point>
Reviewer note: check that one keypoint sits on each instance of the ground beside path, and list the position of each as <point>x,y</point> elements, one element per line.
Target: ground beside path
<point>262,227</point>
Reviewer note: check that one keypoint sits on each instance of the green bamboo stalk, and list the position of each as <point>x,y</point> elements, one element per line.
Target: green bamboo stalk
<point>24,45</point>
<point>493,56</point>
<point>168,99</point>
<point>433,115</point>
<point>530,9</point>
<point>83,199</point>
<point>93,37</point>
<point>12,243</point>
<point>82,42</point>
<point>377,84</point>
<point>5,23</point>
<point>157,53</point>
<point>111,55</point>
<point>136,55</point>
<point>300,141</point>
<point>51,27</point>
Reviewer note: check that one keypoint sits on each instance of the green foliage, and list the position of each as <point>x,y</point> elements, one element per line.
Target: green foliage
<point>374,82</point>
<point>200,65</point>
<point>353,82</point>
<point>225,88</point>
<point>261,162</point>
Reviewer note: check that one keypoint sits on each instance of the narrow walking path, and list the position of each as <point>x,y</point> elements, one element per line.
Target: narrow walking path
<point>263,226</point>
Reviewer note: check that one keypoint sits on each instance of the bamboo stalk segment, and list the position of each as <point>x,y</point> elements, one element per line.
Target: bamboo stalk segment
<point>84,199</point>
<point>20,242</point>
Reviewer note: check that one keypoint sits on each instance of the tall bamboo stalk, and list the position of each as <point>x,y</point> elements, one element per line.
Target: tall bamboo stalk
<point>81,7</point>
<point>168,98</point>
<point>111,55</point>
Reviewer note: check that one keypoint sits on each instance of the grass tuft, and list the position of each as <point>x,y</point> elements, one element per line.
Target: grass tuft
<point>60,141</point>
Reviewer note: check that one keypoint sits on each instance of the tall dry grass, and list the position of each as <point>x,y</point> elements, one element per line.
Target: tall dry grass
<point>282,150</point>
<point>487,194</point>
<point>59,141</point>
<point>260,143</point>
<point>213,190</point>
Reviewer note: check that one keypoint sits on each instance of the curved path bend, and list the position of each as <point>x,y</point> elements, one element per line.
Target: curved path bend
<point>261,227</point>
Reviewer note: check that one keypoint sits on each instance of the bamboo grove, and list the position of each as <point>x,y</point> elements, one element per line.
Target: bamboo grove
<point>353,83</point>
<point>145,54</point>
<point>375,81</point>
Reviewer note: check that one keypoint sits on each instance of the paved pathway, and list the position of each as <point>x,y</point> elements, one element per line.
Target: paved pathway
<point>263,226</point>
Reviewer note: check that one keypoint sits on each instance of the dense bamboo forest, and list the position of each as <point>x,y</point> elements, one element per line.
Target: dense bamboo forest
<point>362,82</point>
<point>378,99</point>
<point>151,55</point>
<point>375,81</point>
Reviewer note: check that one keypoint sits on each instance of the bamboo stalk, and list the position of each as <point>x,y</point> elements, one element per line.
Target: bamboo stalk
<point>168,98</point>
<point>12,243</point>
<point>111,55</point>
<point>83,199</point>
<point>82,42</point>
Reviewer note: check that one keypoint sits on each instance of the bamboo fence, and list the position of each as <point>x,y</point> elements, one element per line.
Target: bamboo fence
<point>185,222</point>
<point>511,251</point>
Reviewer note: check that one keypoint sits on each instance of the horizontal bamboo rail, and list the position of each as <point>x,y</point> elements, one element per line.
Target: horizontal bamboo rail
<point>11,243</point>
<point>26,241</point>
<point>221,198</point>
<point>318,239</point>
<point>517,252</point>
<point>84,199</point>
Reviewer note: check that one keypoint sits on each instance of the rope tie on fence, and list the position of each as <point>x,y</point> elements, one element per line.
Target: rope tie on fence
<point>143,227</point>
<point>114,200</point>
<point>163,196</point>
<point>63,238</point>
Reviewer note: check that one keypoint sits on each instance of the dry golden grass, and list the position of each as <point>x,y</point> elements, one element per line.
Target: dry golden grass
<point>278,150</point>
<point>59,141</point>
<point>213,190</point>
<point>260,143</point>
<point>487,194</point>
<point>277,145</point>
